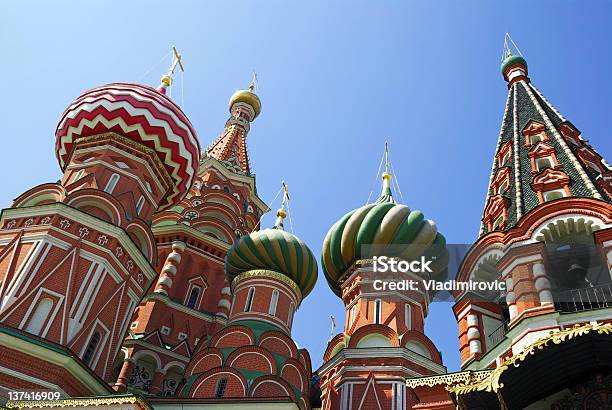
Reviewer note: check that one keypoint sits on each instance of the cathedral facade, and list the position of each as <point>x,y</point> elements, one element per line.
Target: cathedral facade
<point>143,279</point>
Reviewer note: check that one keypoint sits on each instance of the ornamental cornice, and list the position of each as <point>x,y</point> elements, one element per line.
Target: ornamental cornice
<point>491,383</point>
<point>94,401</point>
<point>209,162</point>
<point>208,317</point>
<point>382,352</point>
<point>189,232</point>
<point>132,144</point>
<point>448,379</point>
<point>72,214</point>
<point>269,274</point>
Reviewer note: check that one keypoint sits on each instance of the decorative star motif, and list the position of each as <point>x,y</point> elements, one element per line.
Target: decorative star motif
<point>11,224</point>
<point>64,224</point>
<point>102,240</point>
<point>130,265</point>
<point>29,222</point>
<point>119,251</point>
<point>45,220</point>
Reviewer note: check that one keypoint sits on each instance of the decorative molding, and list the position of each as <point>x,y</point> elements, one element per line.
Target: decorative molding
<point>448,379</point>
<point>491,383</point>
<point>269,274</point>
<point>96,401</point>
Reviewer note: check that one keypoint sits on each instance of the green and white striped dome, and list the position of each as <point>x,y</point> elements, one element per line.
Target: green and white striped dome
<point>382,223</point>
<point>276,250</point>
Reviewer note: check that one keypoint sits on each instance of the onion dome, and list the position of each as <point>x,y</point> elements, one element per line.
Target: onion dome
<point>247,97</point>
<point>141,114</point>
<point>381,224</point>
<point>513,61</point>
<point>276,250</point>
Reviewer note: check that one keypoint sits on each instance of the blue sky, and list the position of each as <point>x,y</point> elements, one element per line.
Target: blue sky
<point>336,80</point>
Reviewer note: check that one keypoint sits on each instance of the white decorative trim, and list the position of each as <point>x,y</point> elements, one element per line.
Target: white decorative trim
<point>516,155</point>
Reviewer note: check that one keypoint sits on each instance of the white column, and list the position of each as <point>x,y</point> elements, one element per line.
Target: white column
<point>542,284</point>
<point>511,298</point>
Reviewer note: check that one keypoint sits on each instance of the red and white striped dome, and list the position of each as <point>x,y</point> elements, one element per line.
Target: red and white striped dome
<point>141,114</point>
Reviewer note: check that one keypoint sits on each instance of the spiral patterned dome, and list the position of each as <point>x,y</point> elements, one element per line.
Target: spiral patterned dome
<point>382,223</point>
<point>141,114</point>
<point>276,250</point>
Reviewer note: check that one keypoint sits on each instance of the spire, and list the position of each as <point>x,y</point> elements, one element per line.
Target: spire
<point>281,214</point>
<point>230,147</point>
<point>540,156</point>
<point>166,80</point>
<point>386,195</point>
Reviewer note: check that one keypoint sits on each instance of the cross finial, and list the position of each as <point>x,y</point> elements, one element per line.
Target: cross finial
<point>386,176</point>
<point>285,194</point>
<point>281,214</point>
<point>386,157</point>
<point>166,80</point>
<point>508,45</point>
<point>253,85</point>
<point>333,328</point>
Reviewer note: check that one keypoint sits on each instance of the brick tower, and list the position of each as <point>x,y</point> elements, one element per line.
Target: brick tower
<point>77,256</point>
<point>253,359</point>
<point>546,232</point>
<point>383,342</point>
<point>191,299</point>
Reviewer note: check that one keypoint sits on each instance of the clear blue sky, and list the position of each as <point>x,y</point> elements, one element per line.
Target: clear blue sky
<point>336,79</point>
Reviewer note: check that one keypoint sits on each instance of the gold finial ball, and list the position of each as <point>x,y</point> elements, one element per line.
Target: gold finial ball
<point>282,213</point>
<point>386,176</point>
<point>247,97</point>
<point>166,80</point>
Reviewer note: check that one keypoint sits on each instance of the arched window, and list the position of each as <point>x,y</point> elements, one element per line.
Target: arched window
<point>249,300</point>
<point>497,223</point>
<point>552,195</point>
<point>40,316</point>
<point>536,138</point>
<point>193,297</point>
<point>112,183</point>
<point>377,311</point>
<point>543,163</point>
<point>290,316</point>
<point>220,390</point>
<point>91,348</point>
<point>273,303</point>
<point>503,187</point>
<point>139,204</point>
<point>407,317</point>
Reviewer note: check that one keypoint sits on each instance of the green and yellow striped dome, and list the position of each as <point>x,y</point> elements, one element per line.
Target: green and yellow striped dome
<point>276,250</point>
<point>381,224</point>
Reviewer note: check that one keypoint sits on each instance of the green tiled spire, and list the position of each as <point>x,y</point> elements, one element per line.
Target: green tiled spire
<point>526,107</point>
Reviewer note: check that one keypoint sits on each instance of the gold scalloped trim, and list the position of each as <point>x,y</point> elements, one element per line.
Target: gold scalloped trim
<point>94,401</point>
<point>448,379</point>
<point>492,384</point>
<point>269,274</point>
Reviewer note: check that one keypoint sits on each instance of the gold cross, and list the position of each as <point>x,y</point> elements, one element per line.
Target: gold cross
<point>167,79</point>
<point>253,85</point>
<point>285,194</point>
